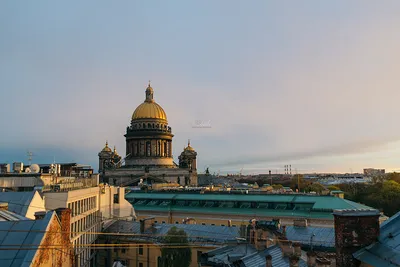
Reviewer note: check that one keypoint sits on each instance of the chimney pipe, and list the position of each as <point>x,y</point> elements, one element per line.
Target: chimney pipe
<point>297,248</point>
<point>311,258</point>
<point>268,261</point>
<point>142,222</point>
<point>39,215</point>
<point>293,261</point>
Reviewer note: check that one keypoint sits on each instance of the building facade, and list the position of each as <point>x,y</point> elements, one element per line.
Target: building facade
<point>91,208</point>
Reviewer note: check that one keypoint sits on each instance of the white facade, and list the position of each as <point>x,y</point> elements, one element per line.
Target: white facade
<point>90,207</point>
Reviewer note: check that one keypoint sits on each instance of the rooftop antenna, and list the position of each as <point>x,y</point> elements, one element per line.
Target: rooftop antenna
<point>30,155</point>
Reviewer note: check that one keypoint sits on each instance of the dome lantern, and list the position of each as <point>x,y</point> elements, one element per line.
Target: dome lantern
<point>149,109</point>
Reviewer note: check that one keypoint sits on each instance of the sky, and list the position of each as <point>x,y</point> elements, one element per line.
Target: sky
<point>314,84</point>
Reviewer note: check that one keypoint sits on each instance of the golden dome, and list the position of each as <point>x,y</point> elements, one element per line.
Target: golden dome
<point>106,148</point>
<point>189,147</point>
<point>149,109</point>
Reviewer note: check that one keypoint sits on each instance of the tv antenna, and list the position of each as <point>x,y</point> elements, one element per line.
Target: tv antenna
<point>30,155</point>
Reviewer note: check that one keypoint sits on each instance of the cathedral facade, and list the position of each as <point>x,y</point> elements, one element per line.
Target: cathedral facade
<point>148,151</point>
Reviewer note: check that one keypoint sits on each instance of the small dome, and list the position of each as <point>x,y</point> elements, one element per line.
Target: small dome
<point>189,148</point>
<point>106,148</point>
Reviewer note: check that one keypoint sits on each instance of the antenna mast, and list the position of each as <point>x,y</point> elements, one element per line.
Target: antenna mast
<point>30,155</point>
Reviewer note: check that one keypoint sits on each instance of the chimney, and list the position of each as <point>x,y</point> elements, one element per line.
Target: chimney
<point>64,214</point>
<point>354,229</point>
<point>297,248</point>
<point>3,206</point>
<point>142,222</point>
<point>311,258</point>
<point>39,215</point>
<point>268,261</point>
<point>300,223</point>
<point>293,261</point>
<point>323,262</point>
<point>286,247</point>
<point>243,231</point>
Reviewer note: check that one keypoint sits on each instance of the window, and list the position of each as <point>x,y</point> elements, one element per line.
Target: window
<point>203,223</point>
<point>222,224</point>
<point>140,249</point>
<point>212,224</point>
<point>176,222</point>
<point>148,149</point>
<point>123,250</point>
<point>155,221</point>
<point>140,264</point>
<point>163,221</point>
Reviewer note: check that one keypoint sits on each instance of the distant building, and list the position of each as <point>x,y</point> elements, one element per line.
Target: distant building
<point>148,151</point>
<point>373,172</point>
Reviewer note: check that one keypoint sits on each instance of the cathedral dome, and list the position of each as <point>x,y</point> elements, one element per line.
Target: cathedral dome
<point>149,109</point>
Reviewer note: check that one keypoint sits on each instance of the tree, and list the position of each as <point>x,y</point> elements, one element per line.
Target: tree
<point>394,176</point>
<point>333,188</point>
<point>296,180</point>
<point>314,187</point>
<point>176,251</point>
<point>277,186</point>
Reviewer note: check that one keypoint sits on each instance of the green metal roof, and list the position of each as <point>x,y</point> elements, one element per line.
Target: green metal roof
<point>238,211</point>
<point>322,206</point>
<point>320,202</point>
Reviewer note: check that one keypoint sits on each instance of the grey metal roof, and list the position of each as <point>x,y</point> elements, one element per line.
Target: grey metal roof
<point>320,237</point>
<point>258,259</point>
<point>18,202</point>
<point>195,232</point>
<point>6,215</point>
<point>244,255</point>
<point>17,236</point>
<point>385,252</point>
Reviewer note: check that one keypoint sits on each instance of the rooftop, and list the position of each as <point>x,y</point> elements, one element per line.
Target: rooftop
<point>25,233</point>
<point>195,232</point>
<point>246,256</point>
<point>291,205</point>
<point>18,202</point>
<point>356,212</point>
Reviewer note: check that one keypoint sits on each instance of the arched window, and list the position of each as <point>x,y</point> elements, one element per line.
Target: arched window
<point>148,148</point>
<point>165,149</point>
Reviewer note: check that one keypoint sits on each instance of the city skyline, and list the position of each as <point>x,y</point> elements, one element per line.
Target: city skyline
<point>253,86</point>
